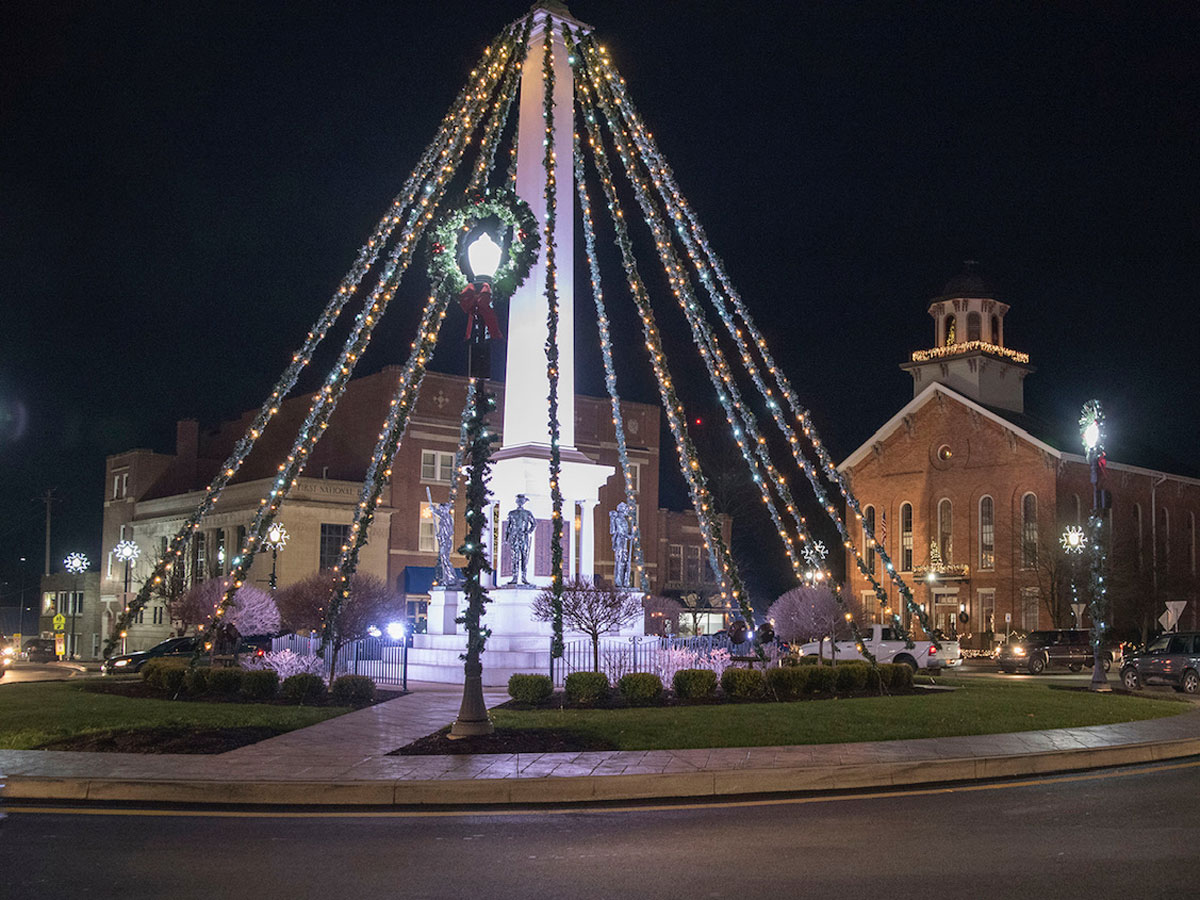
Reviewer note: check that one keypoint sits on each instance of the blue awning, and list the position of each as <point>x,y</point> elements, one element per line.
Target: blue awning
<point>418,579</point>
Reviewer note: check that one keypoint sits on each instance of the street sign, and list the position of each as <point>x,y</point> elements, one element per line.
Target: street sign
<point>60,645</point>
<point>1008,618</point>
<point>60,622</point>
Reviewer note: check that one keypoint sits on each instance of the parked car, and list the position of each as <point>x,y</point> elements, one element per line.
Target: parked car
<point>39,650</point>
<point>1069,648</point>
<point>1172,659</point>
<point>176,648</point>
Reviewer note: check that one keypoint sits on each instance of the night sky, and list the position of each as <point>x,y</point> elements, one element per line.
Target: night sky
<point>185,184</point>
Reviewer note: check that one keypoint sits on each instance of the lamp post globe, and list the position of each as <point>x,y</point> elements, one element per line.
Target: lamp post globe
<point>76,564</point>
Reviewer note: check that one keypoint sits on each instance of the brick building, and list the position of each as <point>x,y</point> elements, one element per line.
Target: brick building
<point>148,495</point>
<point>963,473</point>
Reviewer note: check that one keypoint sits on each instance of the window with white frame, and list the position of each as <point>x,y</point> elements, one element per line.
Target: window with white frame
<point>1029,531</point>
<point>868,539</point>
<point>437,466</point>
<point>158,614</point>
<point>870,606</point>
<point>333,538</point>
<point>1030,603</point>
<point>946,531</point>
<point>987,533</point>
<point>906,537</point>
<point>675,563</point>
<point>427,530</point>
<point>986,610</point>
<point>692,561</point>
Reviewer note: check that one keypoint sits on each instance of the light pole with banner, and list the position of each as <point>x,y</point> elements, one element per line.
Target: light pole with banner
<point>1091,433</point>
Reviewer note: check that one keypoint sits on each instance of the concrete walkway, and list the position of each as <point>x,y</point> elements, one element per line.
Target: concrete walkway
<point>343,761</point>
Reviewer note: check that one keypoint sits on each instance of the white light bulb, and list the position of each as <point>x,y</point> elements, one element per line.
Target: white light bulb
<point>484,256</point>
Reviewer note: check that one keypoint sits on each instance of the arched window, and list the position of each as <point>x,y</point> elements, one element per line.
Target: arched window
<point>868,540</point>
<point>906,537</point>
<point>974,326</point>
<point>1137,537</point>
<point>950,335</point>
<point>1078,509</point>
<point>987,533</point>
<point>946,531</point>
<point>1164,541</point>
<point>1029,532</point>
<point>996,339</point>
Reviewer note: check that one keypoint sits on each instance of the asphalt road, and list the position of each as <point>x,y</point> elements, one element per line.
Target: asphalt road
<point>1129,833</point>
<point>27,671</point>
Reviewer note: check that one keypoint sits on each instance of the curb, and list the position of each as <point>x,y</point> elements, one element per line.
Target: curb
<point>595,788</point>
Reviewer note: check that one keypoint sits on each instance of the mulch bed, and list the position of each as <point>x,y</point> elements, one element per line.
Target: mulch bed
<point>516,740</point>
<point>165,740</point>
<point>140,689</point>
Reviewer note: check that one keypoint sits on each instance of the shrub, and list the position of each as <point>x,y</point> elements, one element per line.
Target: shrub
<point>196,681</point>
<point>585,688</point>
<point>303,688</point>
<point>851,677</point>
<point>261,685</point>
<point>876,678</point>
<point>694,684</point>
<point>352,690</point>
<point>225,681</point>
<point>530,689</point>
<point>809,660</point>
<point>789,683</point>
<point>165,674</point>
<point>641,688</point>
<point>822,679</point>
<point>743,684</point>
<point>287,663</point>
<point>901,676</point>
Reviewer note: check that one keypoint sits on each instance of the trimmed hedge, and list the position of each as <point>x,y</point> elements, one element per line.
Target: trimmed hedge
<point>225,681</point>
<point>531,689</point>
<point>822,679</point>
<point>743,684</point>
<point>303,688</point>
<point>260,685</point>
<point>641,688</point>
<point>790,683</point>
<point>154,673</point>
<point>851,677</point>
<point>901,676</point>
<point>195,682</point>
<point>352,690</point>
<point>585,688</point>
<point>694,684</point>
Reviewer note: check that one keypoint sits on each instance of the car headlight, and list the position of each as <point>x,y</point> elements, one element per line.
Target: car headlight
<point>120,662</point>
<point>1018,651</point>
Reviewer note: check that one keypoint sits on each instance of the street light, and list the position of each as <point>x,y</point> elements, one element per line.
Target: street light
<point>1073,542</point>
<point>1091,433</point>
<point>76,564</point>
<point>277,538</point>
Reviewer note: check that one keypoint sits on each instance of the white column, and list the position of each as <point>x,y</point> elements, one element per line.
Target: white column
<point>526,384</point>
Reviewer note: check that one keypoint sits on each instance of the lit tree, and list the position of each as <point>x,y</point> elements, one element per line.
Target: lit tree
<point>370,604</point>
<point>806,614</point>
<point>253,611</point>
<point>591,609</point>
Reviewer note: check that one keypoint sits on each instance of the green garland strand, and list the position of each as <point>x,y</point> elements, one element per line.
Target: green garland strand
<point>479,451</point>
<point>551,195</point>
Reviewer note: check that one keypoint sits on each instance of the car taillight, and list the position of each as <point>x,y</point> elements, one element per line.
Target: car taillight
<point>260,652</point>
<point>932,650</point>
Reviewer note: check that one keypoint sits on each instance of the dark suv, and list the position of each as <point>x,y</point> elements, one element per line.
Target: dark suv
<point>175,648</point>
<point>1172,659</point>
<point>1069,648</point>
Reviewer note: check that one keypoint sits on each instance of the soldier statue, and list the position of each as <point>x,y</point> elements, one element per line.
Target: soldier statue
<point>621,532</point>
<point>443,528</point>
<point>518,529</point>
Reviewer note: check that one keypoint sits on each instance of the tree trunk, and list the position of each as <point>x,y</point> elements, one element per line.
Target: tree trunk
<point>595,653</point>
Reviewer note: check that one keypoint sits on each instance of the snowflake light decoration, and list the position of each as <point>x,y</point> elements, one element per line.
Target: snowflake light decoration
<point>1073,539</point>
<point>277,537</point>
<point>75,563</point>
<point>814,553</point>
<point>126,551</point>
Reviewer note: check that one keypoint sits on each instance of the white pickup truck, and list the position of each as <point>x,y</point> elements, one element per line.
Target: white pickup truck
<point>887,647</point>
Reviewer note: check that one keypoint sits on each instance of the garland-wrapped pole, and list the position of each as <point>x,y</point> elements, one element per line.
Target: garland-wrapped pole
<point>550,194</point>
<point>473,716</point>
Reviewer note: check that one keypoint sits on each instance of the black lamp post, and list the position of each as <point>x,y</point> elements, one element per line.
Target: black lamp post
<point>1091,433</point>
<point>277,538</point>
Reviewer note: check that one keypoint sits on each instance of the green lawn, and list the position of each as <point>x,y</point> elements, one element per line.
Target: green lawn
<point>34,714</point>
<point>977,707</point>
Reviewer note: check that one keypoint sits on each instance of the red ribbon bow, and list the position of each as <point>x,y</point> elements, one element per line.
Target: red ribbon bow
<point>476,300</point>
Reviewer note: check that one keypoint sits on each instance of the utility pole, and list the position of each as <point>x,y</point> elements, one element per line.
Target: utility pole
<point>48,500</point>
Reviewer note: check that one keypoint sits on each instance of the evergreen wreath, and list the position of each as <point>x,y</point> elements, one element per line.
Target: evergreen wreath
<point>445,275</point>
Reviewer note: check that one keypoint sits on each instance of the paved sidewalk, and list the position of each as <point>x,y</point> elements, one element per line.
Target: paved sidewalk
<point>344,761</point>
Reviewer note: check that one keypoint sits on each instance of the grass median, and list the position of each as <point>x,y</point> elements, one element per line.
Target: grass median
<point>38,714</point>
<point>976,706</point>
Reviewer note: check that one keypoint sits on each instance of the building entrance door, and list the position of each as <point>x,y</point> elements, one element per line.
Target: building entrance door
<point>945,611</point>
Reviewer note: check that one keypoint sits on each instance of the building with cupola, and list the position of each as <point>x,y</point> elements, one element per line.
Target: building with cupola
<point>969,493</point>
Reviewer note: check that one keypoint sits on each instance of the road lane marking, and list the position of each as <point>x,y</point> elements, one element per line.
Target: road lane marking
<point>586,810</point>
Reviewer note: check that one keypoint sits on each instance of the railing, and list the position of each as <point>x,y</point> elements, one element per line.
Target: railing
<point>383,661</point>
<point>660,656</point>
